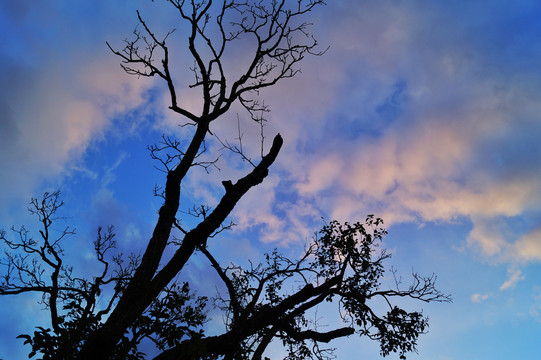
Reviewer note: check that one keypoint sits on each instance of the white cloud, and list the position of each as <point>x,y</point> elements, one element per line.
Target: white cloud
<point>322,174</point>
<point>528,247</point>
<point>478,298</point>
<point>514,277</point>
<point>291,223</point>
<point>488,235</point>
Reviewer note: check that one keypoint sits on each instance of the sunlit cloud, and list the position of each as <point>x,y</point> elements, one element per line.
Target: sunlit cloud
<point>514,277</point>
<point>56,103</point>
<point>418,133</point>
<point>528,247</point>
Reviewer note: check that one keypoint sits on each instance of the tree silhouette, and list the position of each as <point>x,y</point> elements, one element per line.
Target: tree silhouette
<point>264,302</point>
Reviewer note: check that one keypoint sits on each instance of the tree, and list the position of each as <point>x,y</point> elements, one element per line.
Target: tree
<point>145,301</point>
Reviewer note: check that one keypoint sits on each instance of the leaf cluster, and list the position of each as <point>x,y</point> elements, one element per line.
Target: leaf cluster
<point>344,265</point>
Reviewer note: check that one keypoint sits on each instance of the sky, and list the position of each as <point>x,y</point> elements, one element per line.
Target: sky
<point>427,114</point>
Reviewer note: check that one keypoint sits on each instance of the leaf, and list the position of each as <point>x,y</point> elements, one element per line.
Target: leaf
<point>27,337</point>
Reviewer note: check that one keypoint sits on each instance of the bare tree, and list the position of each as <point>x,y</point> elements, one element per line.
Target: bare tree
<point>144,300</point>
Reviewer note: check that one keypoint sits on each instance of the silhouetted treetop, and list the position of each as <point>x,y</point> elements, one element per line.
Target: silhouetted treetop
<point>133,300</point>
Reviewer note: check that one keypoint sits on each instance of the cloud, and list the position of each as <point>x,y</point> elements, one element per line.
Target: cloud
<point>56,102</point>
<point>258,210</point>
<point>535,309</point>
<point>419,123</point>
<point>514,277</point>
<point>489,236</point>
<point>528,247</point>
<point>322,174</point>
<point>109,175</point>
<point>408,119</point>
<point>478,298</point>
<point>402,117</point>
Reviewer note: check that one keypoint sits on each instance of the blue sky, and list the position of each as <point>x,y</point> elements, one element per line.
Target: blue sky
<point>424,113</point>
